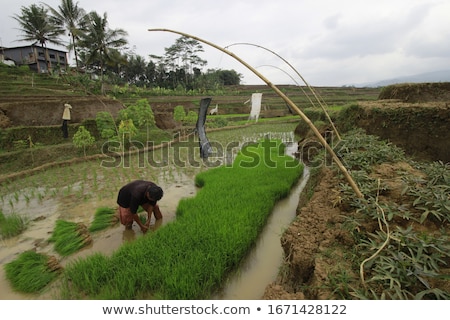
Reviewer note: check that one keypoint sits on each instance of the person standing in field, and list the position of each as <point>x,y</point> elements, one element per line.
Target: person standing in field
<point>66,119</point>
<point>139,193</point>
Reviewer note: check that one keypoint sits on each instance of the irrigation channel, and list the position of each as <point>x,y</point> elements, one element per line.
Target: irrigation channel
<point>261,266</point>
<point>257,270</point>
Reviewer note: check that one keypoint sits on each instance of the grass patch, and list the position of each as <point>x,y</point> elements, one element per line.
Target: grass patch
<point>190,257</point>
<point>69,237</point>
<point>30,272</point>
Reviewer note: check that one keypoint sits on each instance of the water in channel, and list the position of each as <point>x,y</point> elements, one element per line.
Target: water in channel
<point>261,266</point>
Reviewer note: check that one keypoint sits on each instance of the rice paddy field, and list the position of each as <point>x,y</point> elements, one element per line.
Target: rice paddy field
<point>213,212</point>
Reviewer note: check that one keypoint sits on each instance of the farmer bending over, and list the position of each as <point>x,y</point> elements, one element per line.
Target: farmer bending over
<point>139,193</point>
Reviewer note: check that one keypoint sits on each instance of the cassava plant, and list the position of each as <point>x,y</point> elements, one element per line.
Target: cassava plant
<point>83,138</point>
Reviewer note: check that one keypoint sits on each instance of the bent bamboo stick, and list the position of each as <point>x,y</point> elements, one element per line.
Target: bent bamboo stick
<point>286,99</point>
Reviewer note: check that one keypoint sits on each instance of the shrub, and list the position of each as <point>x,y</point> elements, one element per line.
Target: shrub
<point>83,138</point>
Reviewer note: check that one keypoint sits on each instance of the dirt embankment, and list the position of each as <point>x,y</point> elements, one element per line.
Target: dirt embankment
<point>417,92</point>
<point>421,129</point>
<point>47,111</point>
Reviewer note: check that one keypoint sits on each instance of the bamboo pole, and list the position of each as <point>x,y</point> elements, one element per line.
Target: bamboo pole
<point>301,77</point>
<point>285,98</point>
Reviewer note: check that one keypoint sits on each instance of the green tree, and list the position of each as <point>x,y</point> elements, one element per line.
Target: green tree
<point>217,77</point>
<point>106,124</point>
<point>140,113</point>
<point>191,118</point>
<point>83,138</point>
<point>229,77</point>
<point>70,15</point>
<point>151,74</point>
<point>178,113</point>
<point>183,54</point>
<point>37,26</point>
<point>127,131</point>
<point>100,43</point>
<point>135,71</point>
<point>182,59</point>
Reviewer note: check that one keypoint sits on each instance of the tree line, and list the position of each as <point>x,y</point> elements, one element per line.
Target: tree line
<point>101,50</point>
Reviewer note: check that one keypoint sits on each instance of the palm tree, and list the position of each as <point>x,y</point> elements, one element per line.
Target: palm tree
<point>38,27</point>
<point>73,18</point>
<point>100,42</point>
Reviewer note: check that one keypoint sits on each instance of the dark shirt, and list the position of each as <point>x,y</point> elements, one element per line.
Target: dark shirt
<point>133,195</point>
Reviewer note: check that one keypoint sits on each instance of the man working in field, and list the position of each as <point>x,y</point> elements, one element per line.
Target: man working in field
<point>139,193</point>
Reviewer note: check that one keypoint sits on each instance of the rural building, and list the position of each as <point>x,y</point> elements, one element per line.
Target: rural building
<point>38,58</point>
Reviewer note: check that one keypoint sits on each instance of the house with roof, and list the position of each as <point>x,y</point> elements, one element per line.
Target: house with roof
<point>38,58</point>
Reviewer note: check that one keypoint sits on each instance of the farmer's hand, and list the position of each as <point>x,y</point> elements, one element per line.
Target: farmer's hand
<point>144,228</point>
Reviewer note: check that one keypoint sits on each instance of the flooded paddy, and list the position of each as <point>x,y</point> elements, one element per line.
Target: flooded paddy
<point>74,193</point>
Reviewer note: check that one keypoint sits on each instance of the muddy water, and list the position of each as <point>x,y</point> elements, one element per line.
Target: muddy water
<point>259,268</point>
<point>37,233</point>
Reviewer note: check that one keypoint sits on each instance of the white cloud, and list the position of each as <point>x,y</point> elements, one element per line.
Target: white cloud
<point>329,42</point>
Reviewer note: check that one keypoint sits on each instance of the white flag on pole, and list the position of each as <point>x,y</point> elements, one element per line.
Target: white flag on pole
<point>256,106</point>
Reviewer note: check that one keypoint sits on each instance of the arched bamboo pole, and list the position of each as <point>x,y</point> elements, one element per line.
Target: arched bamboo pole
<point>285,98</point>
<point>301,77</point>
<point>268,65</point>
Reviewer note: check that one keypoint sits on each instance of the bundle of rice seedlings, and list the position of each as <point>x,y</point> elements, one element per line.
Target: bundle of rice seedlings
<point>69,237</point>
<point>31,271</point>
<point>104,217</point>
<point>11,225</point>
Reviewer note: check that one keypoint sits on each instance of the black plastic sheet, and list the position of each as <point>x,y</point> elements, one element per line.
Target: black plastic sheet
<point>205,146</point>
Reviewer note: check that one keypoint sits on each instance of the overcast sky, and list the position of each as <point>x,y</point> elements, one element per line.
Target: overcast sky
<point>329,42</point>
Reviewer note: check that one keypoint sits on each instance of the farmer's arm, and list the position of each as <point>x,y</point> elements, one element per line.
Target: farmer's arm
<point>138,221</point>
<point>149,215</point>
<point>157,212</point>
<point>134,205</point>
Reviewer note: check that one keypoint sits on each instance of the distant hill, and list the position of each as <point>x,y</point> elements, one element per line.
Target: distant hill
<point>436,76</point>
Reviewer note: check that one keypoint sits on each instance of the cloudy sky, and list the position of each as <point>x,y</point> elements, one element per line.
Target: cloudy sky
<point>330,43</point>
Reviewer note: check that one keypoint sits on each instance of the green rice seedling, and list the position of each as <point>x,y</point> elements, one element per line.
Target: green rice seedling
<point>104,217</point>
<point>11,225</point>
<point>69,237</point>
<point>90,275</point>
<point>190,257</point>
<point>143,218</point>
<point>94,180</point>
<point>27,198</point>
<point>30,272</point>
<point>40,197</point>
